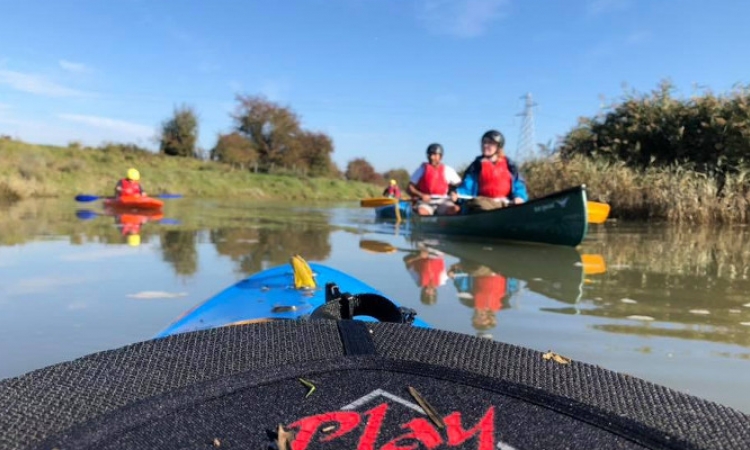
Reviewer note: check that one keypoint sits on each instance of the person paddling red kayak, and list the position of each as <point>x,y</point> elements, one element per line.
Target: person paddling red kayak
<point>130,186</point>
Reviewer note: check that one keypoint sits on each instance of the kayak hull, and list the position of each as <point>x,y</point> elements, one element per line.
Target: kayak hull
<point>267,295</point>
<point>557,219</point>
<point>389,212</point>
<point>133,203</point>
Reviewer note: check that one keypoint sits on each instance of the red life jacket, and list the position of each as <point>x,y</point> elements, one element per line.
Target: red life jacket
<point>129,188</point>
<point>495,180</point>
<point>131,224</point>
<point>393,191</point>
<point>430,270</point>
<point>489,292</point>
<point>433,180</point>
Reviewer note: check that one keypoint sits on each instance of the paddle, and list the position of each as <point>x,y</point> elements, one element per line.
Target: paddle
<point>91,198</point>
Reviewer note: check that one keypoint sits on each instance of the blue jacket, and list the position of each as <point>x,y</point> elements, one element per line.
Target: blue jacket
<point>470,184</point>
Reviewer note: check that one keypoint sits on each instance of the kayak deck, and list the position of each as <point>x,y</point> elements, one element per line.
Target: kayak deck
<point>267,295</point>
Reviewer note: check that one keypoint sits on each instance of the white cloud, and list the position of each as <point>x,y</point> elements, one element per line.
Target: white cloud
<point>596,7</point>
<point>35,84</point>
<point>135,130</point>
<point>73,67</point>
<point>461,18</point>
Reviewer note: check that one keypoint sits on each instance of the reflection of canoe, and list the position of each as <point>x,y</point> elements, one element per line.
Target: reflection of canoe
<point>133,203</point>
<point>267,295</point>
<point>553,271</point>
<point>389,212</point>
<point>558,219</point>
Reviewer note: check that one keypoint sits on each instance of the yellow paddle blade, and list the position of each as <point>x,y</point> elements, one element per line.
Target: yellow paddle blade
<point>598,212</point>
<point>303,276</point>
<point>377,202</point>
<point>593,264</point>
<point>376,246</point>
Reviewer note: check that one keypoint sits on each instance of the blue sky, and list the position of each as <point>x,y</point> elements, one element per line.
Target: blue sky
<point>384,78</point>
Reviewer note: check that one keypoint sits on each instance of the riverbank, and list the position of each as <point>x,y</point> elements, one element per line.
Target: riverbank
<point>42,171</point>
<point>671,193</point>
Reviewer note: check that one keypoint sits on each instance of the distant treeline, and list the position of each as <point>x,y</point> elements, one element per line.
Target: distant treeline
<point>267,138</point>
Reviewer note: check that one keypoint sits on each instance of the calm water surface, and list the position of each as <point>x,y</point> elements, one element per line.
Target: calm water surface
<point>665,304</point>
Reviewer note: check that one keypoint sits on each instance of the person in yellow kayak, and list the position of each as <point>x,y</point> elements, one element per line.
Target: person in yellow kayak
<point>130,186</point>
<point>430,183</point>
<point>392,191</point>
<point>492,179</point>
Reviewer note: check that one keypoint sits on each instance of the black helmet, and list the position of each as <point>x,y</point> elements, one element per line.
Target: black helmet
<point>434,148</point>
<point>494,136</point>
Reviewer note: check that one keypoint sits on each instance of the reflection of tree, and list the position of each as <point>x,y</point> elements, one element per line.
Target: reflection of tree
<point>256,249</point>
<point>178,249</point>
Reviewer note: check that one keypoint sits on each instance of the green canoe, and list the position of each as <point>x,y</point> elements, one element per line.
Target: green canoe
<point>557,219</point>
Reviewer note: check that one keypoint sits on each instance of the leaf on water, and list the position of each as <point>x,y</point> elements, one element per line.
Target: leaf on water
<point>284,439</point>
<point>700,311</point>
<point>643,318</point>
<point>427,408</point>
<point>629,301</point>
<point>555,357</point>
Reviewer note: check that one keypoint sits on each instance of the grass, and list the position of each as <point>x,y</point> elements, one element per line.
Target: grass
<point>670,193</point>
<point>42,171</point>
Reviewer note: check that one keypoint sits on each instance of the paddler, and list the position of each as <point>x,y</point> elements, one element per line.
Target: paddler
<point>430,183</point>
<point>492,179</point>
<point>130,186</point>
<point>392,191</point>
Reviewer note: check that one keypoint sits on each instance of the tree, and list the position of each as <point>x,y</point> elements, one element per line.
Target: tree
<point>360,170</point>
<point>314,153</point>
<point>270,128</point>
<point>180,133</point>
<point>235,150</point>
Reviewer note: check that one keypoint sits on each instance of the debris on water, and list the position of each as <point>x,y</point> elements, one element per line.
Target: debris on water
<point>699,311</point>
<point>309,385</point>
<point>148,295</point>
<point>735,311</point>
<point>284,439</point>
<point>747,324</point>
<point>643,318</point>
<point>282,309</point>
<point>746,305</point>
<point>629,301</point>
<point>555,357</point>
<point>217,443</point>
<point>427,408</point>
<point>537,279</point>
<point>487,248</point>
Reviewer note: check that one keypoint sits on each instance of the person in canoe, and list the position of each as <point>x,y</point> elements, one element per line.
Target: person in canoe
<point>492,179</point>
<point>392,191</point>
<point>130,186</point>
<point>427,268</point>
<point>430,183</point>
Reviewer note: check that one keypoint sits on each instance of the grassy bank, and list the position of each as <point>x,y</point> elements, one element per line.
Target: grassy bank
<point>38,171</point>
<point>669,193</point>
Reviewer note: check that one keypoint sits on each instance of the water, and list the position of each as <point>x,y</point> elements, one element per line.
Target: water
<point>666,304</point>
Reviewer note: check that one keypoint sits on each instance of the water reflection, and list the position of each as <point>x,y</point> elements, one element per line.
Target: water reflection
<point>485,278</point>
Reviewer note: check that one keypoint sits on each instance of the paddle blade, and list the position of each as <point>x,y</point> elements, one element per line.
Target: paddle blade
<point>169,196</point>
<point>376,246</point>
<point>86,198</point>
<point>377,202</point>
<point>593,264</point>
<point>597,212</point>
<point>85,214</point>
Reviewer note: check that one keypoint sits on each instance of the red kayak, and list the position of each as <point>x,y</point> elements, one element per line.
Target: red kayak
<point>131,203</point>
